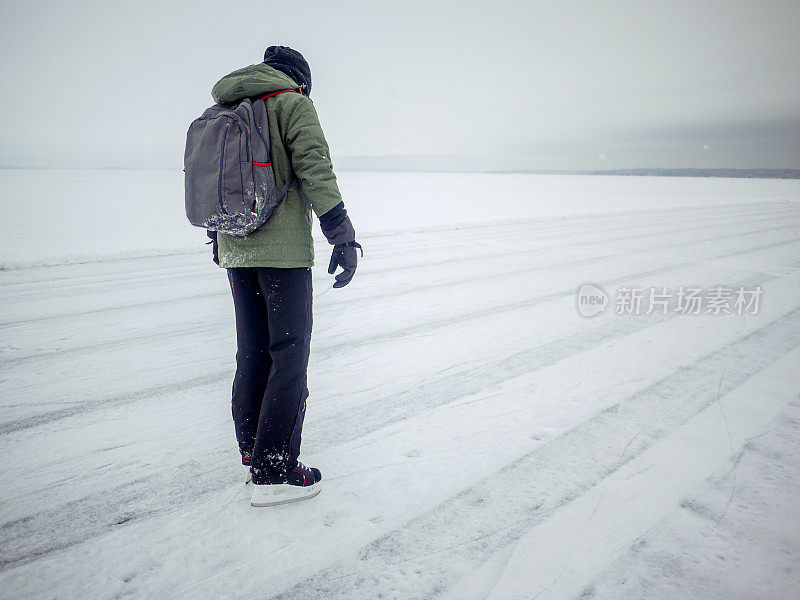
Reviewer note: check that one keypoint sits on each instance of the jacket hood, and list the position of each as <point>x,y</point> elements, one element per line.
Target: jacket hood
<point>250,81</point>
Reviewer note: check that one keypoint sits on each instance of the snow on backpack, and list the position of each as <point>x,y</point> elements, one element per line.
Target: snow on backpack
<point>230,184</point>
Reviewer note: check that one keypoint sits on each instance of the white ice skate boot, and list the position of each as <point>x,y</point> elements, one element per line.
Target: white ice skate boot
<point>301,483</point>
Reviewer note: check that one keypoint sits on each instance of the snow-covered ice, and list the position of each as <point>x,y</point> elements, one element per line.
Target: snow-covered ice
<point>478,438</point>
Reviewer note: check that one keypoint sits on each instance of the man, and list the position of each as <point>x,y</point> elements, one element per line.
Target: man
<point>270,277</point>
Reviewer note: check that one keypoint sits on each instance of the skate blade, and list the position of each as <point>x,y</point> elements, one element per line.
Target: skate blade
<point>273,495</point>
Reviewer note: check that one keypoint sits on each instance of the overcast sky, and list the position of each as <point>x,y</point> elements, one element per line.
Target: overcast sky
<point>534,84</point>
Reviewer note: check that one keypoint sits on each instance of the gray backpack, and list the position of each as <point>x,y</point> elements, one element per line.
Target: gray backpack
<point>230,184</point>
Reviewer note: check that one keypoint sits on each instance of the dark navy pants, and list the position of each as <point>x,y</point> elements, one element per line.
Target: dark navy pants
<point>273,336</point>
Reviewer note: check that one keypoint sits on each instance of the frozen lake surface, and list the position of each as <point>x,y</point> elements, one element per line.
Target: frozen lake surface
<point>478,437</point>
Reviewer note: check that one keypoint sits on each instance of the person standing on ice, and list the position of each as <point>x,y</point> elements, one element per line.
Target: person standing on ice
<point>270,278</point>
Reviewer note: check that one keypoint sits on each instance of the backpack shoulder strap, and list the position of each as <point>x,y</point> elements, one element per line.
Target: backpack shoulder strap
<point>278,92</point>
<point>292,178</point>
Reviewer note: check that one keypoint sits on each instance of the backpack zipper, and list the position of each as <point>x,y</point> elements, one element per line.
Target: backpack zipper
<point>222,166</point>
<point>246,135</point>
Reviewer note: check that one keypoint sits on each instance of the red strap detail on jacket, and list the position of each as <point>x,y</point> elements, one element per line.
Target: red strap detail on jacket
<point>256,164</point>
<point>276,93</point>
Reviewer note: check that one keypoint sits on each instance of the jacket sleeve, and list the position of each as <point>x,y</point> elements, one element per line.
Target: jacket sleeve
<point>310,156</point>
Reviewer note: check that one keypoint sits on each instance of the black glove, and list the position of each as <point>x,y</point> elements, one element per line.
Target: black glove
<point>213,236</point>
<point>339,232</point>
<point>344,255</point>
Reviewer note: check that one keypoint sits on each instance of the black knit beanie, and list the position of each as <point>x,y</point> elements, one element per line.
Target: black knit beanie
<point>290,62</point>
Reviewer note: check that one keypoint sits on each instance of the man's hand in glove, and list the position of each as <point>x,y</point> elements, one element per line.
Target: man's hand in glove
<point>339,232</point>
<point>345,256</point>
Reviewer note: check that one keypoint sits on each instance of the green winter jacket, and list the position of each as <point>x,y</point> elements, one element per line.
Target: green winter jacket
<point>296,140</point>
